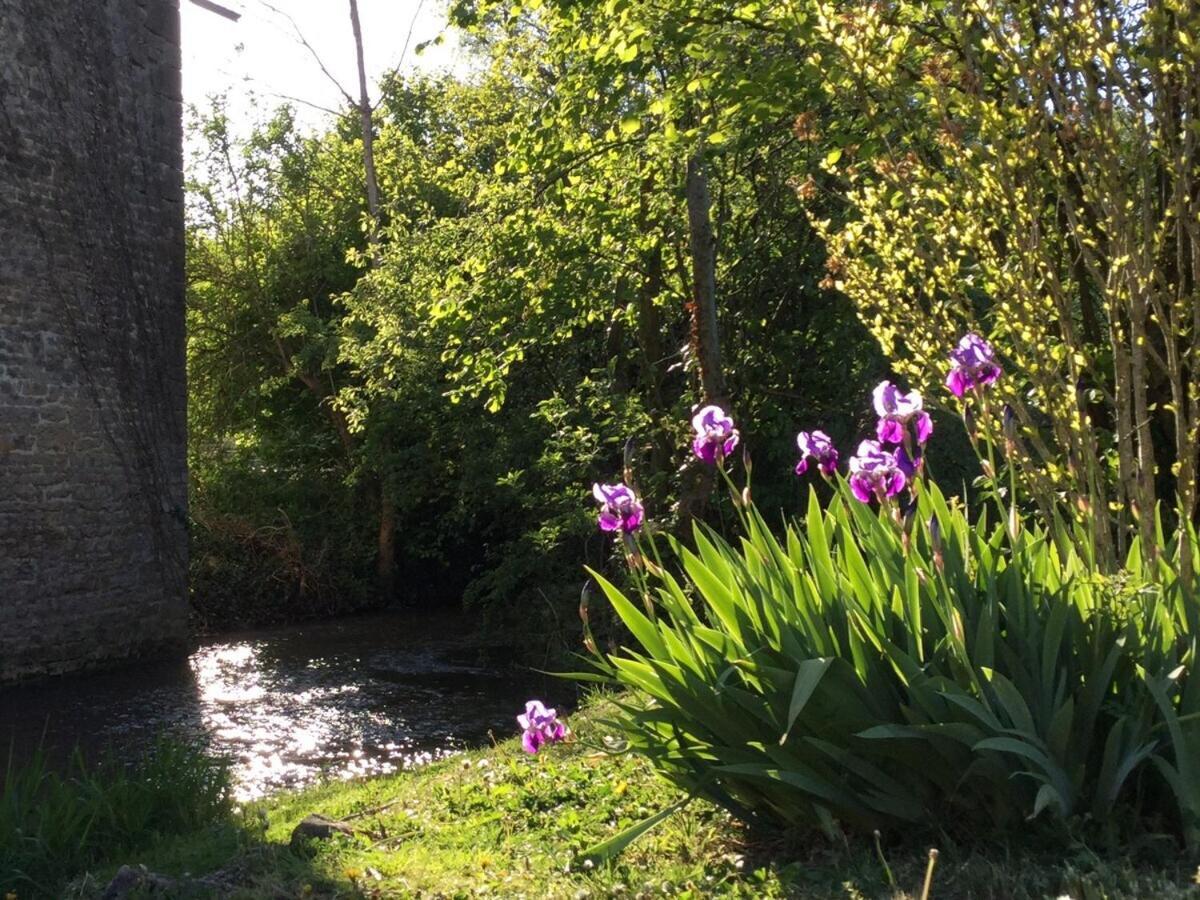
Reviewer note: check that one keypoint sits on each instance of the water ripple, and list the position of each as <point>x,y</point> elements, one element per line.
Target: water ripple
<point>363,696</point>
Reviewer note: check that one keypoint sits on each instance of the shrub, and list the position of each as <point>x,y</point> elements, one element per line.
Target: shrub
<point>1032,168</point>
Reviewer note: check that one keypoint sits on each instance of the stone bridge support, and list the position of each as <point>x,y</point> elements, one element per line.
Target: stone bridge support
<point>93,477</point>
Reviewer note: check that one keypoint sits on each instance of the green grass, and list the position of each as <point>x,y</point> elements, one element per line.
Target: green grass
<point>497,823</point>
<point>53,824</point>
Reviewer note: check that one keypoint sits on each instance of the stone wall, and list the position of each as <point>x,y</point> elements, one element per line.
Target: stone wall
<point>93,540</point>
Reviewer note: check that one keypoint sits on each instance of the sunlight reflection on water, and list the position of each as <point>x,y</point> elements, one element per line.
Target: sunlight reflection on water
<point>284,732</point>
<point>290,706</point>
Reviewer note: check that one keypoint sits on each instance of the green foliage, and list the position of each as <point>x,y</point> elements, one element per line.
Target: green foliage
<point>860,671</point>
<point>1030,171</point>
<point>271,219</point>
<point>525,313</point>
<point>54,826</point>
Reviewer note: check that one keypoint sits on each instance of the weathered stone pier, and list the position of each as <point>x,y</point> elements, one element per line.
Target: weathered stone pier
<point>93,541</point>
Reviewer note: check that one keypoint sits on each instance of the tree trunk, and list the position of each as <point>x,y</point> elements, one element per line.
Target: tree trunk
<point>368,130</point>
<point>385,569</point>
<point>385,563</point>
<point>324,399</point>
<point>703,307</point>
<point>702,316</point>
<point>649,326</point>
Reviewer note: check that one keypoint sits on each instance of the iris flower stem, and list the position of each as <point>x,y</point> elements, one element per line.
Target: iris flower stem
<point>637,569</point>
<point>735,494</point>
<point>1012,482</point>
<point>989,443</point>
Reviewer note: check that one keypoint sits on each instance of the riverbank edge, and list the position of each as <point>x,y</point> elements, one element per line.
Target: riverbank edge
<point>497,822</point>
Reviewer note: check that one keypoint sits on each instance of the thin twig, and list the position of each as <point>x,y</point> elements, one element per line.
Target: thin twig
<point>408,37</point>
<point>309,47</point>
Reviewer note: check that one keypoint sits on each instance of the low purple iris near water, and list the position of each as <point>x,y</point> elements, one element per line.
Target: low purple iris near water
<point>620,509</point>
<point>875,473</point>
<point>715,437</point>
<point>817,446</point>
<point>541,727</point>
<point>973,365</point>
<point>896,410</point>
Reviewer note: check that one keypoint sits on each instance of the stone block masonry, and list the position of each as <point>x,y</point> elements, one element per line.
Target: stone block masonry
<point>93,473</point>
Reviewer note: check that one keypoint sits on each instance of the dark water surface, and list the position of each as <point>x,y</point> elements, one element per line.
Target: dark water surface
<point>357,696</point>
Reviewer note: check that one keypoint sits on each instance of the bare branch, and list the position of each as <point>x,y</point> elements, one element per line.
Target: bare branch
<point>308,103</point>
<point>404,50</point>
<point>408,37</point>
<point>303,41</point>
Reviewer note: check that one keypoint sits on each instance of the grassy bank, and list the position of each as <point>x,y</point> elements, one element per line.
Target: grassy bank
<point>495,822</point>
<point>59,820</point>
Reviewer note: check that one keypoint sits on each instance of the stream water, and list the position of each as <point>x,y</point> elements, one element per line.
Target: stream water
<point>289,706</point>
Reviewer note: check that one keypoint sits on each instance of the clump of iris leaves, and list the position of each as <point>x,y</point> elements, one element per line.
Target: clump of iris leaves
<point>862,670</point>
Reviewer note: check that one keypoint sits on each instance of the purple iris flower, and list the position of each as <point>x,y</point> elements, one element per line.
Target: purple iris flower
<point>896,410</point>
<point>875,473</point>
<point>909,465</point>
<point>715,435</point>
<point>816,446</point>
<point>620,509</point>
<point>541,726</point>
<point>973,365</point>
